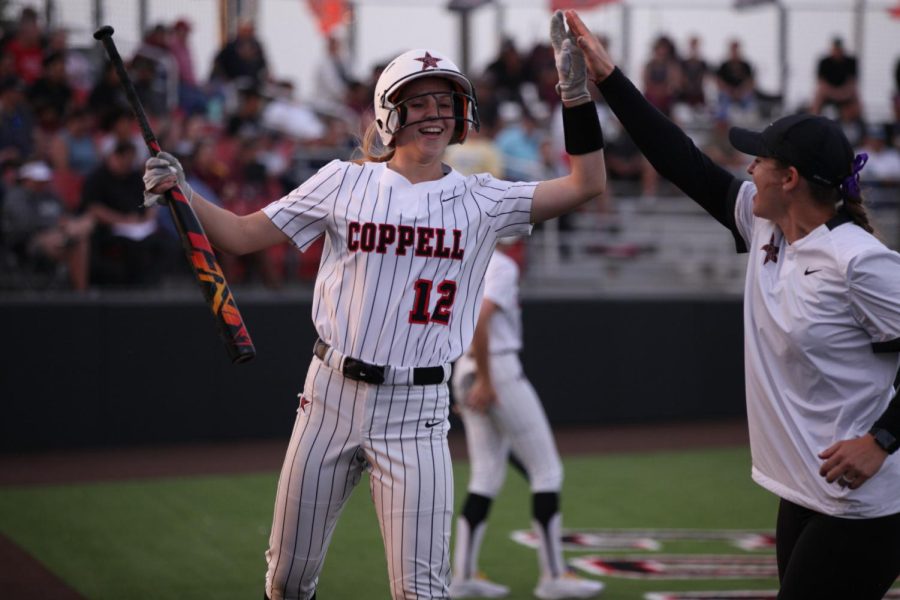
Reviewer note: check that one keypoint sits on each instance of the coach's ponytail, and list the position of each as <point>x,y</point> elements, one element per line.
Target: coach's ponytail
<point>852,194</point>
<point>371,149</point>
<point>854,207</point>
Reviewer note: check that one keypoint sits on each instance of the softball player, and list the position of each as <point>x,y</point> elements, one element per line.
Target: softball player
<point>821,335</point>
<point>502,414</point>
<point>407,242</point>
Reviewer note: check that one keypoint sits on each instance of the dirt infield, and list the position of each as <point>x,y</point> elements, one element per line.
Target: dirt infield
<point>22,577</point>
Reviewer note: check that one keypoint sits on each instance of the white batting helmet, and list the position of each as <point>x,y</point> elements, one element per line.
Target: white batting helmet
<point>412,65</point>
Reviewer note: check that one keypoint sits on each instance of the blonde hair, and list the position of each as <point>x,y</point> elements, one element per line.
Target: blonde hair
<point>371,149</point>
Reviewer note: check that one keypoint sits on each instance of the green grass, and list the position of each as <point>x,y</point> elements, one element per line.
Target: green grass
<point>204,537</point>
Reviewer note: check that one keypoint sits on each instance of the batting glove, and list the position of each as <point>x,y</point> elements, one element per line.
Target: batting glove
<point>161,173</point>
<point>572,86</point>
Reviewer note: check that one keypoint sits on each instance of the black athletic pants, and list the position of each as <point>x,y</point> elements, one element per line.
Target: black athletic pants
<point>821,557</point>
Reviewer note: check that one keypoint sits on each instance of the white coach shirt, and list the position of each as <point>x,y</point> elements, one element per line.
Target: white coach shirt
<point>821,324</point>
<point>401,277</point>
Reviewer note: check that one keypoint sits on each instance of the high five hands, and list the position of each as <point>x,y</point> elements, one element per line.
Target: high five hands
<point>598,61</point>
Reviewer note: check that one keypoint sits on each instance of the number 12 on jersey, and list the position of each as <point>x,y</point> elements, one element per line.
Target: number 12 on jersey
<point>441,315</point>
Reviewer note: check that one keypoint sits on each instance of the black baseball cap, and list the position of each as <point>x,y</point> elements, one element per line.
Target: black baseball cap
<point>815,146</point>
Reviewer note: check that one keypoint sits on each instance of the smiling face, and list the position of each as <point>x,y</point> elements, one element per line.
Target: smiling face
<point>427,106</point>
<point>769,176</point>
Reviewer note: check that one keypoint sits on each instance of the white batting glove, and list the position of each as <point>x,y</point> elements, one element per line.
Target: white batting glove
<point>572,86</point>
<point>161,173</point>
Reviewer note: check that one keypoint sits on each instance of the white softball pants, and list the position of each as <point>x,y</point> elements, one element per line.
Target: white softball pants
<point>516,422</point>
<point>396,433</point>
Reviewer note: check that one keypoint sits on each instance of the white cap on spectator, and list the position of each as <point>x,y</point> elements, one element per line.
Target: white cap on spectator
<point>36,171</point>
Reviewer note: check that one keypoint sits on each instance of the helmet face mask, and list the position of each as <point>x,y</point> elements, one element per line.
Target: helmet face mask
<point>390,113</point>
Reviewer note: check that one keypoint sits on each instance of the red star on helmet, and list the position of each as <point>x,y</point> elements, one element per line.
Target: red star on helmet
<point>428,61</point>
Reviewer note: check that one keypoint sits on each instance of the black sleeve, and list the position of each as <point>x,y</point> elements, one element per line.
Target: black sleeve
<point>672,152</point>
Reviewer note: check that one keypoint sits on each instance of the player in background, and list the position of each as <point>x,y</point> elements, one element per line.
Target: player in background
<point>407,242</point>
<point>821,334</point>
<point>502,413</point>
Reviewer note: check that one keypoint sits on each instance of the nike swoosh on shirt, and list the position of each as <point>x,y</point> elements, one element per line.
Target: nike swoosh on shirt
<point>809,271</point>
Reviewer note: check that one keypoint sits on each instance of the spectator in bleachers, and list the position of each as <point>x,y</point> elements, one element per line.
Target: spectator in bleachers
<point>126,245</point>
<point>191,98</point>
<point>78,67</point>
<point>333,74</point>
<point>73,153</point>
<point>247,118</point>
<point>26,46</point>
<point>541,67</point>
<point>121,128</point>
<point>40,232</point>
<point>836,84</point>
<point>242,56</point>
<point>74,147</point>
<point>107,99</point>
<point>519,142</point>
<point>736,82</point>
<point>249,188</point>
<point>285,114</point>
<point>662,75</point>
<point>883,167</point>
<point>478,155</point>
<point>149,86</point>
<point>50,96</point>
<point>508,73</point>
<point>694,70</point>
<point>207,166</point>
<point>16,121</point>
<point>720,150</point>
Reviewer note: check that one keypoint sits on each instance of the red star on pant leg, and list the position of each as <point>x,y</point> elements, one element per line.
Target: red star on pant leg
<point>428,61</point>
<point>771,251</point>
<point>304,402</point>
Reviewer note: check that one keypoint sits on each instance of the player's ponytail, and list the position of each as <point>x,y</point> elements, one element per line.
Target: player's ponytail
<point>371,149</point>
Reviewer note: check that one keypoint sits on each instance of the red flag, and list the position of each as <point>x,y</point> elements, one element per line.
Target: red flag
<point>556,5</point>
<point>894,11</point>
<point>330,13</point>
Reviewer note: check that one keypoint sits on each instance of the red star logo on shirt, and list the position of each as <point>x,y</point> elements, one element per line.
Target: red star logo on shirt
<point>771,251</point>
<point>304,402</point>
<point>428,61</point>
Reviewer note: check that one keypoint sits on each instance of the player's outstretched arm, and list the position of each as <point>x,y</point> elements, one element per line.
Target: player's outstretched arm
<point>226,231</point>
<point>584,138</point>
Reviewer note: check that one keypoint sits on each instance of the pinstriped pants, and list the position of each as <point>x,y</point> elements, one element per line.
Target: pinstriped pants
<point>396,433</point>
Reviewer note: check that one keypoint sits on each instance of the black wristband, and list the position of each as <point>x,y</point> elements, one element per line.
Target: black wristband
<point>581,127</point>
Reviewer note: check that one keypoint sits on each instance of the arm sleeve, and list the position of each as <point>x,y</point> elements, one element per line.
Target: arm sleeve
<point>874,292</point>
<point>671,151</point>
<point>303,214</point>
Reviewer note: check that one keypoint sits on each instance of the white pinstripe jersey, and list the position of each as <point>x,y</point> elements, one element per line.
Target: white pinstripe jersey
<point>402,271</point>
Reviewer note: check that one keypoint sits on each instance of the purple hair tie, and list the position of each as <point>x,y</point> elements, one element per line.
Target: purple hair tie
<point>850,186</point>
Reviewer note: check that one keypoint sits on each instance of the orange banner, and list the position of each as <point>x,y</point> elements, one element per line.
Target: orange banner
<point>330,13</point>
<point>578,4</point>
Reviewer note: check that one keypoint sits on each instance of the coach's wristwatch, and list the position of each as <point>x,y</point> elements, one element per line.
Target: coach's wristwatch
<point>885,439</point>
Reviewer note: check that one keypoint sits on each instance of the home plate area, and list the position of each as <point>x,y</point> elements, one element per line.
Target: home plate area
<point>756,562</point>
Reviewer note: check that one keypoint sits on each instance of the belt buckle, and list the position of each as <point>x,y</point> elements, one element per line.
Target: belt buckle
<point>360,371</point>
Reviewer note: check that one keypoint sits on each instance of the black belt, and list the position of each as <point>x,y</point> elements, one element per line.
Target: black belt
<point>361,371</point>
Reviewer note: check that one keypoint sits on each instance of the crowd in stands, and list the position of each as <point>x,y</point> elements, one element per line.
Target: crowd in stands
<point>71,154</point>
